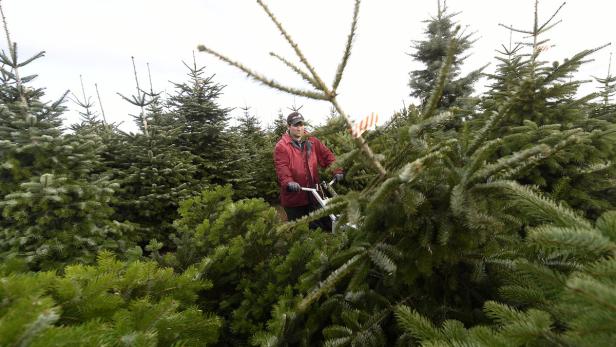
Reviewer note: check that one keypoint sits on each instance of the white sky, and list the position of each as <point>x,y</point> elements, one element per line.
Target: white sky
<point>96,39</point>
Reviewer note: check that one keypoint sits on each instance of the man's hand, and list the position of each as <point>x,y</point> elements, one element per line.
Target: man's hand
<point>339,177</point>
<point>293,187</point>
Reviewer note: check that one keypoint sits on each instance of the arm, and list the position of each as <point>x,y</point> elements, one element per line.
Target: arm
<point>282,164</point>
<point>325,157</point>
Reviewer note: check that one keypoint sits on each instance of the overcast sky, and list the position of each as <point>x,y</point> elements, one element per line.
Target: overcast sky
<point>96,39</point>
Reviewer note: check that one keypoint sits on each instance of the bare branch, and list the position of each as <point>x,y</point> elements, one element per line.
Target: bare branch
<point>269,82</point>
<point>139,91</point>
<point>13,52</point>
<point>514,29</point>
<point>553,16</point>
<point>299,53</point>
<point>296,69</point>
<point>544,29</point>
<point>347,49</point>
<point>100,103</point>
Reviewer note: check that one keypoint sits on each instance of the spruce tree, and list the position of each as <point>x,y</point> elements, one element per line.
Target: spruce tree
<point>153,171</point>
<point>532,101</point>
<point>55,210</point>
<point>606,107</point>
<point>279,127</point>
<point>203,123</point>
<point>256,174</point>
<point>432,51</point>
<point>89,119</point>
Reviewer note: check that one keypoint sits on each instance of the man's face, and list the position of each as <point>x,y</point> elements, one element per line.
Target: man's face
<point>296,131</point>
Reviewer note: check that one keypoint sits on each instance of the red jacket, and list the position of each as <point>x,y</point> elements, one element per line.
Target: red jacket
<point>295,164</point>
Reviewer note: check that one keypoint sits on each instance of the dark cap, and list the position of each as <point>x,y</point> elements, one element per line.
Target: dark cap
<point>295,118</point>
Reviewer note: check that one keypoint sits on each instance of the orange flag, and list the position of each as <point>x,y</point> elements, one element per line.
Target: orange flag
<point>366,123</point>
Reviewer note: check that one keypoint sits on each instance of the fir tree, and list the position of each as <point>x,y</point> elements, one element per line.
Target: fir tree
<point>532,101</point>
<point>141,99</point>
<point>432,51</point>
<point>153,170</point>
<point>55,210</point>
<point>280,125</point>
<point>606,108</point>
<point>89,118</point>
<point>203,123</point>
<point>154,176</point>
<point>256,174</point>
<point>238,244</point>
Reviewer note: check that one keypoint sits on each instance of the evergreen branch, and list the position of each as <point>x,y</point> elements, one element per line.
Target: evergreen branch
<point>582,241</point>
<point>28,61</point>
<point>538,206</point>
<point>100,103</point>
<point>60,100</point>
<point>331,208</point>
<point>135,101</point>
<point>295,47</point>
<point>260,78</point>
<point>329,283</point>
<point>481,155</point>
<point>523,327</point>
<point>514,29</point>
<point>296,69</point>
<point>144,121</point>
<point>552,17</point>
<point>594,168</point>
<point>489,125</point>
<point>541,30</point>
<point>44,320</point>
<point>8,74</point>
<point>517,158</point>
<point>370,329</point>
<point>13,52</point>
<point>382,260</point>
<point>604,268</point>
<point>433,122</point>
<point>571,64</point>
<point>596,292</point>
<point>443,75</point>
<point>384,189</point>
<point>415,324</point>
<point>347,49</point>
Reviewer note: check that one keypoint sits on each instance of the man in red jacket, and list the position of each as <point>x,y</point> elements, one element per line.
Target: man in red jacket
<point>297,160</point>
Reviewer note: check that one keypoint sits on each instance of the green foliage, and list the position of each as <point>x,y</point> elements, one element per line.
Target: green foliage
<point>466,226</point>
<point>566,287</point>
<point>111,303</point>
<point>234,241</point>
<point>55,205</point>
<point>52,221</point>
<point>255,175</point>
<point>154,176</point>
<point>532,101</point>
<point>202,123</point>
<point>432,52</point>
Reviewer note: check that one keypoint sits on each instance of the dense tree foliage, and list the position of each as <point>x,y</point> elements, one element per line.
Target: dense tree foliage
<point>491,226</point>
